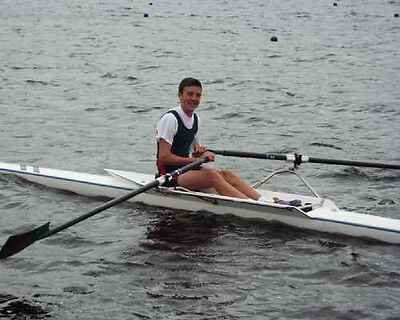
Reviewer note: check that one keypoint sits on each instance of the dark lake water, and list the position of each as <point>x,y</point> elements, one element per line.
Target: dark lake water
<point>81,87</point>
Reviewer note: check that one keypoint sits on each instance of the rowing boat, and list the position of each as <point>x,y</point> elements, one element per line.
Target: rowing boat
<point>310,212</point>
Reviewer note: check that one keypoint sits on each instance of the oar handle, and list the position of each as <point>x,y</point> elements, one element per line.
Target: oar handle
<point>298,159</point>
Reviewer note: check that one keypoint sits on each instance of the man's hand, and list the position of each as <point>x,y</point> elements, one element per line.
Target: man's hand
<point>209,155</point>
<point>198,150</point>
<point>201,151</point>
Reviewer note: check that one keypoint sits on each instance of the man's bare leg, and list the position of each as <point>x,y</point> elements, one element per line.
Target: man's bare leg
<point>240,185</point>
<point>203,179</point>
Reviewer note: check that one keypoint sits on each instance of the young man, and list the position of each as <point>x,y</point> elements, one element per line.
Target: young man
<point>178,134</point>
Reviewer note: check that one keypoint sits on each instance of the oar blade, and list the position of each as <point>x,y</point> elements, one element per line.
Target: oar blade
<point>19,242</point>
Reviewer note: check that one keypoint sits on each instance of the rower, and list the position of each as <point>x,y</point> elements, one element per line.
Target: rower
<point>178,144</point>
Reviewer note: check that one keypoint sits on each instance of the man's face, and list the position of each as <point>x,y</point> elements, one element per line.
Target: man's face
<point>190,99</point>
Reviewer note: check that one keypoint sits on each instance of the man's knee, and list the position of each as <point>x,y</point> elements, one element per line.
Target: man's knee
<point>213,176</point>
<point>228,175</point>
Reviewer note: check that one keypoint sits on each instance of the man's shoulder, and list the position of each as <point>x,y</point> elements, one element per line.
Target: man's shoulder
<point>172,113</point>
<point>168,115</point>
<point>167,119</point>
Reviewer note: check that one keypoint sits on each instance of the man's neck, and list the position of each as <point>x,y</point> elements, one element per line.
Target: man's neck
<point>188,114</point>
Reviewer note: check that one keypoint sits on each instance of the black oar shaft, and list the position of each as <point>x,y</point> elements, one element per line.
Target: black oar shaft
<point>355,163</point>
<point>297,158</point>
<point>103,207</point>
<point>242,154</point>
<point>155,183</point>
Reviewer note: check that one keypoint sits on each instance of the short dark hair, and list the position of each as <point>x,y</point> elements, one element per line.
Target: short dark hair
<point>189,82</point>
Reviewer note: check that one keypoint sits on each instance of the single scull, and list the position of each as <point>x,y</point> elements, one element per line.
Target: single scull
<point>308,212</point>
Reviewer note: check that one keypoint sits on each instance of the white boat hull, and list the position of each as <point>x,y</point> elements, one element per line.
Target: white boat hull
<point>324,216</point>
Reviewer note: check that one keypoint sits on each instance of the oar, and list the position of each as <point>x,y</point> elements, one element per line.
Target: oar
<point>298,159</point>
<point>17,243</point>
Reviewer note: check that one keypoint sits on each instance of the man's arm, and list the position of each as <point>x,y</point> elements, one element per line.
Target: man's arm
<point>167,157</point>
<point>167,127</point>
